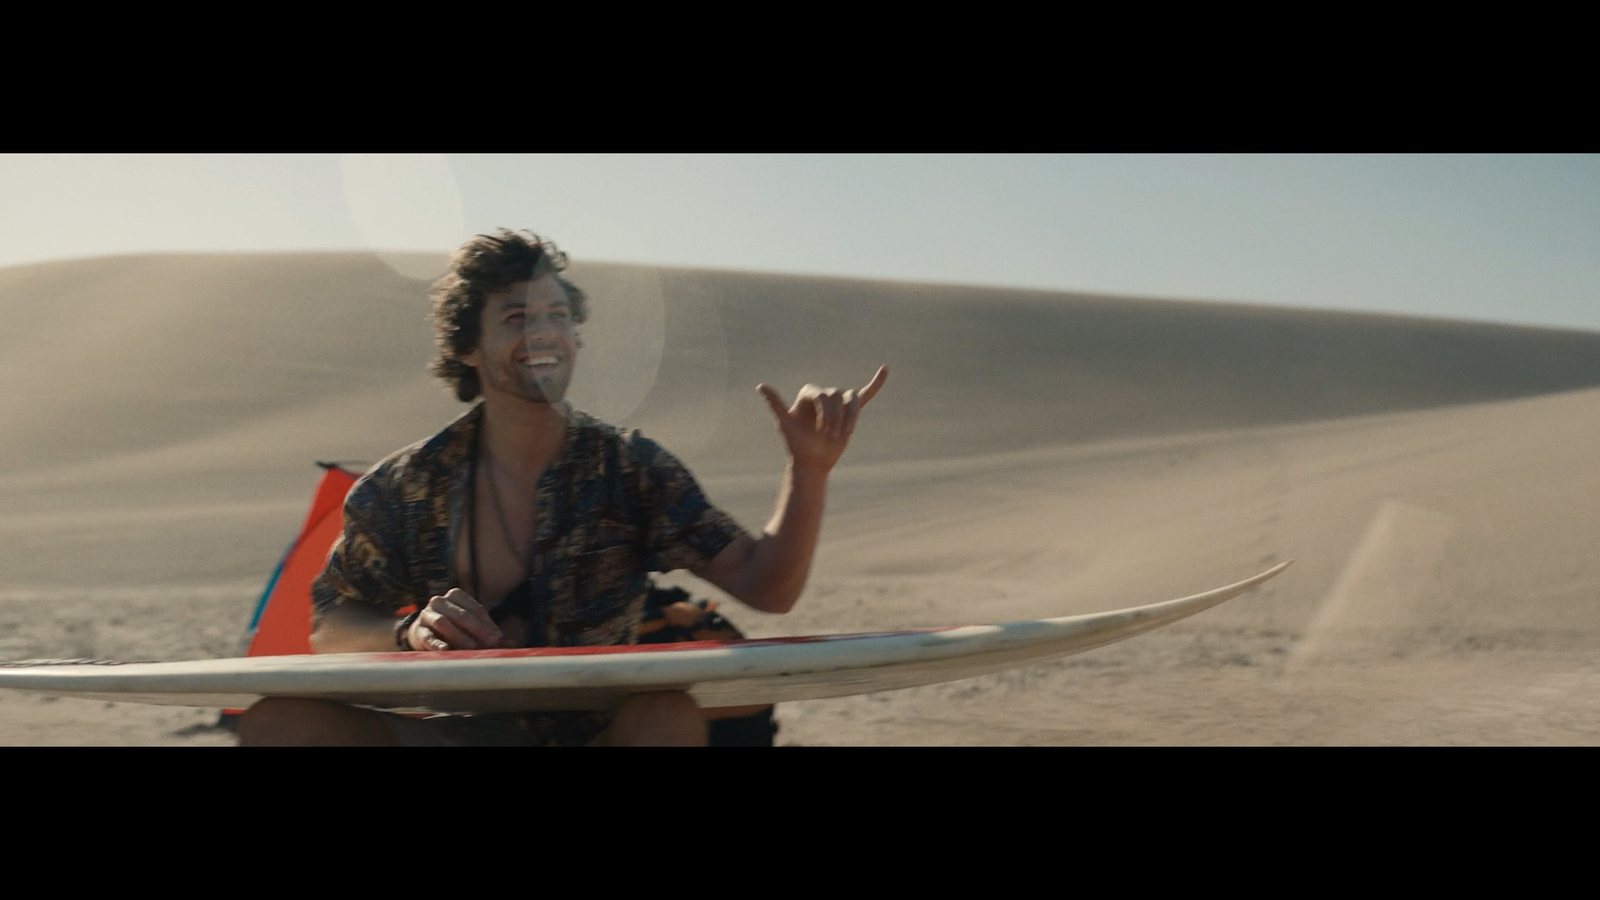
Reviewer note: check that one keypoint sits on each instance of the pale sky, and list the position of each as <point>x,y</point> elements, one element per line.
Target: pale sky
<point>1498,238</point>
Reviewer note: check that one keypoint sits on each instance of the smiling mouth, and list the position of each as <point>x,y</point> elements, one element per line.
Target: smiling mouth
<point>541,362</point>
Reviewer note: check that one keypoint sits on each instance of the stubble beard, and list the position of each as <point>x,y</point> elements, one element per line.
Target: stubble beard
<point>529,386</point>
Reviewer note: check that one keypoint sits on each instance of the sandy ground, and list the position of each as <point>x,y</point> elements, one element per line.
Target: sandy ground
<point>1033,455</point>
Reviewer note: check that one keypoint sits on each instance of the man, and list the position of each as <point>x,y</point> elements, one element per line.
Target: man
<point>526,523</point>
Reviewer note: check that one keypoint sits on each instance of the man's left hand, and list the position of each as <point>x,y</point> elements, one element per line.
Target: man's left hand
<point>818,426</point>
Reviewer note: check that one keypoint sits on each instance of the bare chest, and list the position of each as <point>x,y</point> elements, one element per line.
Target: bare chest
<point>496,542</point>
<point>560,562</point>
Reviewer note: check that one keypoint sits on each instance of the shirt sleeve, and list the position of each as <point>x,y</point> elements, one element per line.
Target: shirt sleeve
<point>367,563</point>
<point>683,529</point>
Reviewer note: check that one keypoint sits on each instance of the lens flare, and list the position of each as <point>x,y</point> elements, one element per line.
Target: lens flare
<point>622,340</point>
<point>407,208</point>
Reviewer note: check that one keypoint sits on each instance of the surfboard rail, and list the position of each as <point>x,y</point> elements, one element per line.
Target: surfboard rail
<point>757,671</point>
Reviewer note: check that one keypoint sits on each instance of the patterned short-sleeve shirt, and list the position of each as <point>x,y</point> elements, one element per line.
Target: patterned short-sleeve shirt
<point>614,507</point>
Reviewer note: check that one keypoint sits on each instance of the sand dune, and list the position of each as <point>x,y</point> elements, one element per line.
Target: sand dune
<point>1034,454</point>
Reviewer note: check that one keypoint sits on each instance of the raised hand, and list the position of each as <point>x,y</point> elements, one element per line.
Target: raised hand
<point>818,426</point>
<point>454,621</point>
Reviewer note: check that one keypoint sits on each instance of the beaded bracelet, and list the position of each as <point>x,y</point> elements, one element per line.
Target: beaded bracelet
<point>402,630</point>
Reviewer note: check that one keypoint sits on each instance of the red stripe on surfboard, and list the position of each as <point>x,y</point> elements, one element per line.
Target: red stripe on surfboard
<point>529,652</point>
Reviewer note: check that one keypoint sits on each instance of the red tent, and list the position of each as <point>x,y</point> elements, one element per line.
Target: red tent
<point>281,625</point>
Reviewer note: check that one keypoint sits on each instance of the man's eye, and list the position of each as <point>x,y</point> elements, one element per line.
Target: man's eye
<point>515,317</point>
<point>558,316</point>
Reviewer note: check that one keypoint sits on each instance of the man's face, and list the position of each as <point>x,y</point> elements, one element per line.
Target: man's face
<point>526,347</point>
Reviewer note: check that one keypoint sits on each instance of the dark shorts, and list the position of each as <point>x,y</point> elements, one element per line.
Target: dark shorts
<point>548,729</point>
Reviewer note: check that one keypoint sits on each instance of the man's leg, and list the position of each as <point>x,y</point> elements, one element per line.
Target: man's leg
<point>287,722</point>
<point>658,719</point>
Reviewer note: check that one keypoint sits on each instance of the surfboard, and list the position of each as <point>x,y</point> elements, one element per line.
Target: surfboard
<point>738,673</point>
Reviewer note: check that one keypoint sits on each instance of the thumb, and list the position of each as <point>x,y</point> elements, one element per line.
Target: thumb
<point>775,401</point>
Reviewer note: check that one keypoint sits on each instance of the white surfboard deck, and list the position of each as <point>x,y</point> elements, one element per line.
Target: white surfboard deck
<point>738,673</point>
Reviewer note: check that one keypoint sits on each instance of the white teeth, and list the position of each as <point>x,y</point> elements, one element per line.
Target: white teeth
<point>542,361</point>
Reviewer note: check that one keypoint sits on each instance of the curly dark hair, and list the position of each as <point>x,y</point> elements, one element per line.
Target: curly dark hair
<point>483,265</point>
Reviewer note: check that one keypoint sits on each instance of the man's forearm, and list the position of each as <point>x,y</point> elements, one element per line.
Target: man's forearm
<point>780,560</point>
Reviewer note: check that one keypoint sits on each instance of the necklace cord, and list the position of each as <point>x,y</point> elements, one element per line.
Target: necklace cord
<point>500,514</point>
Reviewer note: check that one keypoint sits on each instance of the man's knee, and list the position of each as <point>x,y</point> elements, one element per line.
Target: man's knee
<point>293,722</point>
<point>660,719</point>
